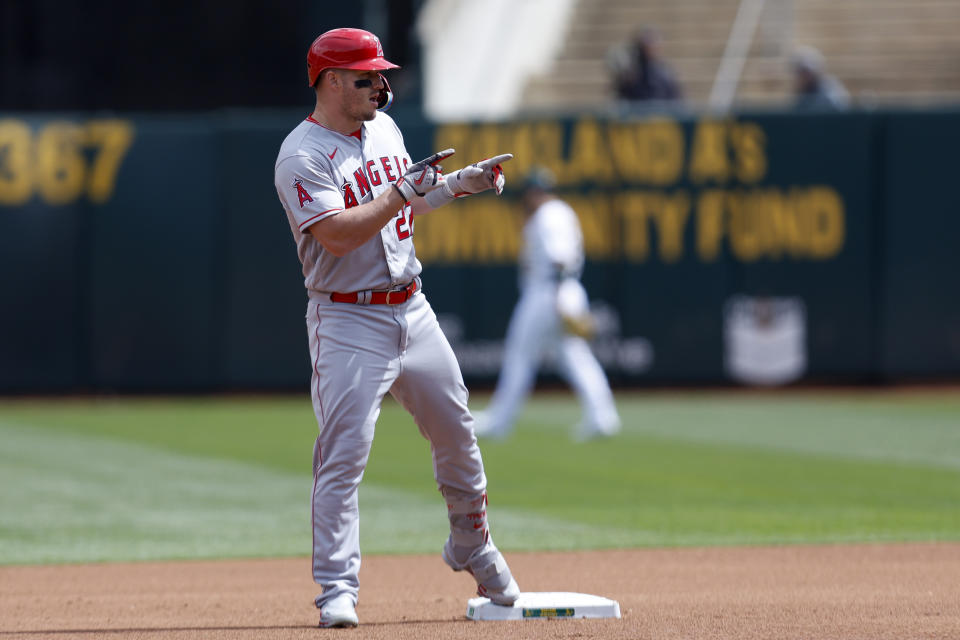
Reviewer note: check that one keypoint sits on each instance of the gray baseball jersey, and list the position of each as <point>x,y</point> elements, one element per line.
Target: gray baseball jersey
<point>320,173</point>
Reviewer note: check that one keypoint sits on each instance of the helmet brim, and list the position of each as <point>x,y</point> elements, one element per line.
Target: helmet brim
<point>373,64</point>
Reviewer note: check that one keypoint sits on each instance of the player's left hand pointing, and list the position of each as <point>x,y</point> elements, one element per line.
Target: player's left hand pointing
<point>479,176</point>
<point>422,177</point>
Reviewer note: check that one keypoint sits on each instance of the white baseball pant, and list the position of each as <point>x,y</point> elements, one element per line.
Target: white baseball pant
<point>536,328</point>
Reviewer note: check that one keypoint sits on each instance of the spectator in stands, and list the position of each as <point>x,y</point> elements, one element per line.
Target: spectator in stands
<point>639,72</point>
<point>815,88</point>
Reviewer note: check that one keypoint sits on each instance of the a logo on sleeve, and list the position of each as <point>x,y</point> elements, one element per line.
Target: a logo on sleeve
<point>349,198</point>
<point>301,192</point>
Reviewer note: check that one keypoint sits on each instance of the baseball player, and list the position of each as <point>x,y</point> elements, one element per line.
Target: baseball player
<point>552,314</point>
<point>351,193</point>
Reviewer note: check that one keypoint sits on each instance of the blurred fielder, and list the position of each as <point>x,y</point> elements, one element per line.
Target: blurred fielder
<point>552,314</point>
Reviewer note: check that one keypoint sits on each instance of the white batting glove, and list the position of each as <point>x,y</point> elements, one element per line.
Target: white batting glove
<point>479,176</point>
<point>422,177</point>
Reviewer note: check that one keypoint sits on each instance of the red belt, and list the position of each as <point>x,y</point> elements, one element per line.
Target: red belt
<point>398,296</point>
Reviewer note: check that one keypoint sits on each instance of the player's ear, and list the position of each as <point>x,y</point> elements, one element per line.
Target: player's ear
<point>333,78</point>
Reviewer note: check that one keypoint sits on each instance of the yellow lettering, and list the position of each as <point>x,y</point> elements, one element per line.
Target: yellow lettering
<point>61,169</point>
<point>590,159</point>
<point>471,142</point>
<point>524,152</point>
<point>54,163</point>
<point>113,138</point>
<point>488,140</point>
<point>532,144</point>
<point>434,235</point>
<point>601,233</point>
<point>746,241</point>
<point>650,151</point>
<point>634,211</point>
<point>824,207</point>
<point>781,229</point>
<point>665,152</point>
<point>708,153</point>
<point>16,150</point>
<point>806,222</point>
<point>455,136</point>
<point>537,144</point>
<point>475,230</point>
<point>668,213</point>
<point>749,145</point>
<point>710,224</point>
<point>670,221</point>
<point>626,150</point>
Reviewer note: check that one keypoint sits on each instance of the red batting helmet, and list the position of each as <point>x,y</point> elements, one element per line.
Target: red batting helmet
<point>346,49</point>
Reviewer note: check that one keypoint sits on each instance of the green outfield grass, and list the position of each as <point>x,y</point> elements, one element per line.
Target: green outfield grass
<point>131,478</point>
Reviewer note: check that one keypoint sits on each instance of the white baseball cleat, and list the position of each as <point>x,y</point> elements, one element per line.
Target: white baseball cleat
<point>491,572</point>
<point>585,432</point>
<point>339,612</point>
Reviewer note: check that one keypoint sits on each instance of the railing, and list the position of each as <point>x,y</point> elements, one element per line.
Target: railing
<point>735,55</point>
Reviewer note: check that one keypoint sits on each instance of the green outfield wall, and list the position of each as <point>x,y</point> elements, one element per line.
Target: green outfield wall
<point>150,253</point>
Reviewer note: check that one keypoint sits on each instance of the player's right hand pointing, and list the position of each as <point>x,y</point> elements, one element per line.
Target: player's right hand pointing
<point>422,177</point>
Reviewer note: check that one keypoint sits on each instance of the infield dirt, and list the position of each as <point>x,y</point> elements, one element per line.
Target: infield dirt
<point>872,591</point>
